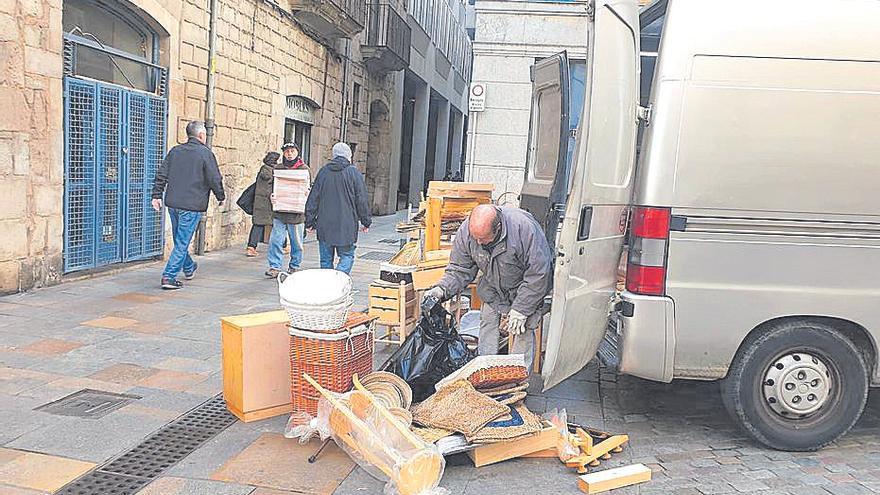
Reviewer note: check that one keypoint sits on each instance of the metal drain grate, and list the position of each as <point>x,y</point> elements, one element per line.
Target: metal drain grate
<point>376,256</point>
<point>97,482</point>
<point>158,452</point>
<point>389,241</point>
<point>87,403</point>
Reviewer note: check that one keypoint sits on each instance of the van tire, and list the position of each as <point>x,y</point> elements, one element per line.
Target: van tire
<point>750,401</point>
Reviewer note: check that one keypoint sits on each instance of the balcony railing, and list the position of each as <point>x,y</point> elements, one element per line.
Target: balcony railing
<point>387,44</point>
<point>331,18</point>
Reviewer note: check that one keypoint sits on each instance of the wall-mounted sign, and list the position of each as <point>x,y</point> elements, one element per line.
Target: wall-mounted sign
<point>477,99</point>
<point>301,109</point>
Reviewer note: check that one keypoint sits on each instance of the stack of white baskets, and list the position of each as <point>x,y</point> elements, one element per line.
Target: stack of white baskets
<point>316,299</point>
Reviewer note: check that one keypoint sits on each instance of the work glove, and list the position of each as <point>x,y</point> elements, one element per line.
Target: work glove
<point>431,298</point>
<point>516,322</point>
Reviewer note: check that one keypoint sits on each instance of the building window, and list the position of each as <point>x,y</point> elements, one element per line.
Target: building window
<point>356,101</point>
<point>113,29</point>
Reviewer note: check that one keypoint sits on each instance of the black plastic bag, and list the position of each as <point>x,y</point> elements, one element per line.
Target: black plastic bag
<point>431,352</point>
<point>247,198</point>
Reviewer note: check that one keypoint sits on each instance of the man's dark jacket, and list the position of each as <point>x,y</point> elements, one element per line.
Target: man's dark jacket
<point>187,176</point>
<point>337,202</point>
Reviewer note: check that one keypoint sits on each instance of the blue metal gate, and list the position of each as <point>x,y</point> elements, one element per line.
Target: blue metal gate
<point>114,140</point>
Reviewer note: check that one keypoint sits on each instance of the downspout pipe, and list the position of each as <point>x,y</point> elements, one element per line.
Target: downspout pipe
<point>209,106</point>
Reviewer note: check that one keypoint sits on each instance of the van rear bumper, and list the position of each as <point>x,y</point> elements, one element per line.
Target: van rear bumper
<point>642,335</point>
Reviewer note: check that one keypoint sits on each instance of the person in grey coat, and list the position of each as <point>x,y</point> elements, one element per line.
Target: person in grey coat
<point>509,248</point>
<point>337,203</point>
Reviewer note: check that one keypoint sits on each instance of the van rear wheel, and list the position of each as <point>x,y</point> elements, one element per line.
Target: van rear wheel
<point>797,387</point>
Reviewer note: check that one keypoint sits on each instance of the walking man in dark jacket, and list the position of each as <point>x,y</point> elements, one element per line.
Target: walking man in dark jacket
<point>336,204</point>
<point>186,177</point>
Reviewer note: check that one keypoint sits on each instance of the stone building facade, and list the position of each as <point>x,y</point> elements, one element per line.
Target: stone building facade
<point>279,75</point>
<point>509,37</point>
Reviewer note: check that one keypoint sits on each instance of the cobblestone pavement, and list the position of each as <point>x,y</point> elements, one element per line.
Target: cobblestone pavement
<point>119,333</point>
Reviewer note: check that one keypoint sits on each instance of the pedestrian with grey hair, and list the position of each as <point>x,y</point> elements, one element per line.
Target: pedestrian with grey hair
<point>336,204</point>
<point>184,182</point>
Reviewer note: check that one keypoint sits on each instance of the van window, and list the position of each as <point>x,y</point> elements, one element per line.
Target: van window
<point>651,31</point>
<point>547,145</point>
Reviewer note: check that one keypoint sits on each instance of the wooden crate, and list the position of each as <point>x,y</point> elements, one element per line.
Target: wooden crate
<point>386,304</point>
<point>256,365</point>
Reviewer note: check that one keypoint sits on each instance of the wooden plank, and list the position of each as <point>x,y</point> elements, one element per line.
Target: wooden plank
<point>432,225</point>
<point>390,292</point>
<point>440,254</point>
<point>439,185</point>
<point>609,479</point>
<point>232,362</point>
<point>425,279</point>
<point>256,319</point>
<point>542,454</point>
<point>438,263</point>
<point>598,450</point>
<point>502,451</point>
<point>269,412</point>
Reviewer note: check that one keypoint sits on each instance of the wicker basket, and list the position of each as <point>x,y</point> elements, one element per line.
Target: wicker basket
<point>318,317</point>
<point>331,359</point>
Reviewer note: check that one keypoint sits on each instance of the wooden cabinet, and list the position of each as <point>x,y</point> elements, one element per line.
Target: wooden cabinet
<point>256,365</point>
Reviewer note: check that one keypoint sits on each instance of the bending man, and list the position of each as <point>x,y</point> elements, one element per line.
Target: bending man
<point>509,248</point>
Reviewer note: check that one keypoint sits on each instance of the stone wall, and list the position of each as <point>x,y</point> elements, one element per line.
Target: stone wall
<point>31,163</point>
<point>263,56</point>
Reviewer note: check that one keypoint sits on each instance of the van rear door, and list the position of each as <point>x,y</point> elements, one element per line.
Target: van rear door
<point>592,233</point>
<point>545,184</point>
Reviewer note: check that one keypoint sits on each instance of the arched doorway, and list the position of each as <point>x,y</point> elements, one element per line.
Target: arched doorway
<point>115,113</point>
<point>378,173</point>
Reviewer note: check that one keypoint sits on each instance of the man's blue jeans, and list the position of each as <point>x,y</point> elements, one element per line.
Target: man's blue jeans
<point>280,231</point>
<point>328,254</point>
<point>183,226</point>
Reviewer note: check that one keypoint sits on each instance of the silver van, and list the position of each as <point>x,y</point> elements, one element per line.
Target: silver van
<point>733,148</point>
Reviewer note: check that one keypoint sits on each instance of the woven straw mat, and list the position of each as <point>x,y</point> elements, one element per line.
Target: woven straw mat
<point>431,435</point>
<point>511,398</point>
<point>458,407</point>
<point>518,422</point>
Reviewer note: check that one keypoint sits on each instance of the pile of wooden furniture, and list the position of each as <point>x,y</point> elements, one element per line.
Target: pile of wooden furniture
<point>422,261</point>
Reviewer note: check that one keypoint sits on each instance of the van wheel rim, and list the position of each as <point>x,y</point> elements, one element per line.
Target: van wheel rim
<point>797,385</point>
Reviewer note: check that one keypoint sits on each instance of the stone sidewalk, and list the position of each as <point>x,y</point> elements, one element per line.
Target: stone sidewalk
<point>120,333</point>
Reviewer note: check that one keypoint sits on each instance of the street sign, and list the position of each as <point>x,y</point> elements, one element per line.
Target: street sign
<point>477,100</point>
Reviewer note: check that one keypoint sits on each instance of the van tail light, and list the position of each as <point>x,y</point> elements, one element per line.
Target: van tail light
<point>646,266</point>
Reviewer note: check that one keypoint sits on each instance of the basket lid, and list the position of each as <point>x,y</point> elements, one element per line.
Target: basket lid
<point>316,287</point>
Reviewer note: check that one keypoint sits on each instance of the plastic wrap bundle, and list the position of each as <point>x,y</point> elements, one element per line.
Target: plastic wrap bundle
<point>379,442</point>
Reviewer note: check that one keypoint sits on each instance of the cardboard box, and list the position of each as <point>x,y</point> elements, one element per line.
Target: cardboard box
<point>256,365</point>
<point>291,190</point>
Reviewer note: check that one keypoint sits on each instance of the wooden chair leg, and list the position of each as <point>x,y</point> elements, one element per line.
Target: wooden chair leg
<point>539,344</point>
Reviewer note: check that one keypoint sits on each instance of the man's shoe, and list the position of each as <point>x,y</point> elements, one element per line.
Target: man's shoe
<point>191,274</point>
<point>293,269</point>
<point>272,273</point>
<point>171,284</point>
<point>251,252</point>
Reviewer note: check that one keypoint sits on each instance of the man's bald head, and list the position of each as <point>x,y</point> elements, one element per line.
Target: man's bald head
<point>484,223</point>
